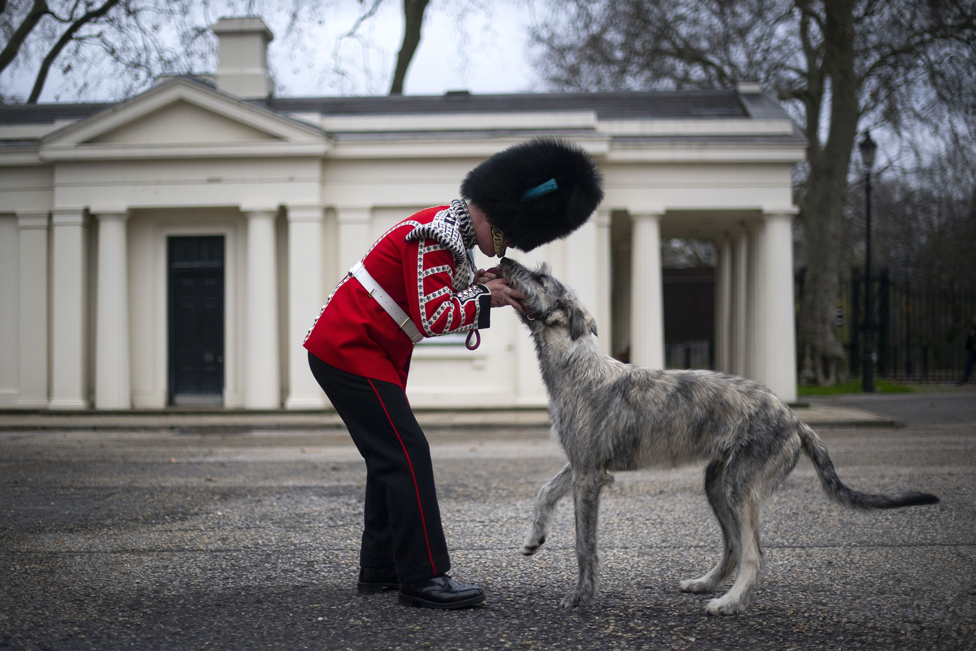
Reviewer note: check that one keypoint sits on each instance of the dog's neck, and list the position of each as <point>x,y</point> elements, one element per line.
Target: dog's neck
<point>563,361</point>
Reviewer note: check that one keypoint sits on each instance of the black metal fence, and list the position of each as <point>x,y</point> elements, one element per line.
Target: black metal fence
<point>920,331</point>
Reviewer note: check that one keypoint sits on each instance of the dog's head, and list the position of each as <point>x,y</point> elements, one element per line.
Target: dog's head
<point>548,303</point>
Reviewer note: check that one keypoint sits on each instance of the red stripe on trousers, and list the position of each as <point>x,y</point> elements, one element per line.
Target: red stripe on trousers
<point>412,474</point>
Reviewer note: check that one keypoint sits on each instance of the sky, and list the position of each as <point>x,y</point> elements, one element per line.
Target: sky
<point>475,45</point>
<point>480,51</point>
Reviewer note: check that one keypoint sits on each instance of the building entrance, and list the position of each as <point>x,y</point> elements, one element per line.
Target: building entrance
<point>195,278</point>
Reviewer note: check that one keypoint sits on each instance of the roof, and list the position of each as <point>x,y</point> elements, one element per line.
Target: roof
<point>617,105</point>
<point>48,113</point>
<point>701,104</point>
<point>631,118</point>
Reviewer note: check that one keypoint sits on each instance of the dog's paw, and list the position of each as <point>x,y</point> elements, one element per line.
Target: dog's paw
<point>725,606</point>
<point>532,546</point>
<point>577,598</point>
<point>697,586</point>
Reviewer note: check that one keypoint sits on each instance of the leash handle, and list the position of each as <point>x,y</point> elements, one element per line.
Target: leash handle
<point>467,342</point>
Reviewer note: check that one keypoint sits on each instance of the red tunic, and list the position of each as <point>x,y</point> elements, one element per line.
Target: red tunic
<point>422,264</point>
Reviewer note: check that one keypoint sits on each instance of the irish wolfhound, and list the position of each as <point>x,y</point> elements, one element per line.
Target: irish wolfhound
<point>612,416</point>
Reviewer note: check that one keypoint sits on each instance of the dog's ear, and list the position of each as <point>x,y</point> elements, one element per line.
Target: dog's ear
<point>580,322</point>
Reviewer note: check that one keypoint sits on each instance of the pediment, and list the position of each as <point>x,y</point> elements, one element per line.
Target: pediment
<point>182,117</point>
<point>181,122</point>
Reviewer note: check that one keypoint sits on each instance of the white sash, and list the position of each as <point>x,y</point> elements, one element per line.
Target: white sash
<point>402,319</point>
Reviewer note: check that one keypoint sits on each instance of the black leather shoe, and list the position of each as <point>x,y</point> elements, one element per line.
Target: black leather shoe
<point>440,592</point>
<point>371,580</point>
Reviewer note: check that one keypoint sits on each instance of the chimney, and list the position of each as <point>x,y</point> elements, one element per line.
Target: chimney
<point>242,57</point>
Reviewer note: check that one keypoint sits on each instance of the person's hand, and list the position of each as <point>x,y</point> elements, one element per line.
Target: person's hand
<point>502,294</point>
<point>481,277</point>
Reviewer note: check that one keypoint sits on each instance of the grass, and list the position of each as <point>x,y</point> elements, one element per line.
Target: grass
<point>853,386</point>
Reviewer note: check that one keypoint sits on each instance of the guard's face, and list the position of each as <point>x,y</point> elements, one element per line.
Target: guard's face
<point>482,230</point>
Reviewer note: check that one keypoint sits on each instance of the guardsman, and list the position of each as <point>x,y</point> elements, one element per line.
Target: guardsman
<point>419,280</point>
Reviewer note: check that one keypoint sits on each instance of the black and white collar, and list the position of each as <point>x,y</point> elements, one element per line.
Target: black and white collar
<point>465,226</point>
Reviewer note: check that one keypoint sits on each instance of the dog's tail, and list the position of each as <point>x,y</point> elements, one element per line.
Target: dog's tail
<point>841,494</point>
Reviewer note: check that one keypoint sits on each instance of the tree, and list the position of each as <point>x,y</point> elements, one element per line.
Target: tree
<point>835,63</point>
<point>123,42</point>
<point>414,12</point>
<point>413,22</point>
<point>413,18</point>
<point>927,227</point>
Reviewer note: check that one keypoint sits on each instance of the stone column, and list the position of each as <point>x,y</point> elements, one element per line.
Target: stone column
<point>69,314</point>
<point>601,309</point>
<point>740,274</point>
<point>621,246</point>
<point>647,294</point>
<point>587,266</point>
<point>723,305</point>
<point>10,311</point>
<point>261,387</point>
<point>756,315</point>
<point>304,302</point>
<point>780,334</point>
<point>113,389</point>
<point>354,235</point>
<point>33,306</point>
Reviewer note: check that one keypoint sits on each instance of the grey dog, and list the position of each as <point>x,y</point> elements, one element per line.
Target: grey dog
<point>611,416</point>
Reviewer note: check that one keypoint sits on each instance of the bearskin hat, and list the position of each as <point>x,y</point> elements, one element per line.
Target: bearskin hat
<point>537,191</point>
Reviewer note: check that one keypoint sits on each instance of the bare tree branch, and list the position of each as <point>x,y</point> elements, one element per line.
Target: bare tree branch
<point>66,38</point>
<point>366,15</point>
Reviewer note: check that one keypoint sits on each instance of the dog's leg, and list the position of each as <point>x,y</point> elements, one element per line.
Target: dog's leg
<point>730,534</point>
<point>586,494</point>
<point>746,487</point>
<point>750,562</point>
<point>549,495</point>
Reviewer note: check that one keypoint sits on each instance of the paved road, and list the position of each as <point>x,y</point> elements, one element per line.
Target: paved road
<point>112,540</point>
<point>935,408</point>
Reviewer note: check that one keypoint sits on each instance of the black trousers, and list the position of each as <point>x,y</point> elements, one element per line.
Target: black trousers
<point>402,519</point>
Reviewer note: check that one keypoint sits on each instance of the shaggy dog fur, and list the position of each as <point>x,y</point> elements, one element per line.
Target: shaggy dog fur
<point>612,416</point>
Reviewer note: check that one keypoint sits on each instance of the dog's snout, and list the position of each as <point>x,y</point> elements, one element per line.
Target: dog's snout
<point>506,266</point>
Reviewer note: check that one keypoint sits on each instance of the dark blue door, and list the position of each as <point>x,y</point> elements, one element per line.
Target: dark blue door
<point>196,320</point>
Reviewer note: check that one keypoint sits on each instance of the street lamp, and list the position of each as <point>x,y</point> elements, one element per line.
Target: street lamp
<point>868,148</point>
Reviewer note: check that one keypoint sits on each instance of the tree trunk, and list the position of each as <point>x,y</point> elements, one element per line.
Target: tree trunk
<point>10,50</point>
<point>413,18</point>
<point>822,355</point>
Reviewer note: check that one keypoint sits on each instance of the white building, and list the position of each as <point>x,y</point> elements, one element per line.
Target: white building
<point>174,248</point>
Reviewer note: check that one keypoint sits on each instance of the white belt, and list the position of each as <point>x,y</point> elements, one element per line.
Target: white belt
<point>402,319</point>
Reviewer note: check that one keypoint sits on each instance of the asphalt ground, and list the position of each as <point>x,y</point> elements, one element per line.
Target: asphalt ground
<point>927,408</point>
<point>249,540</point>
